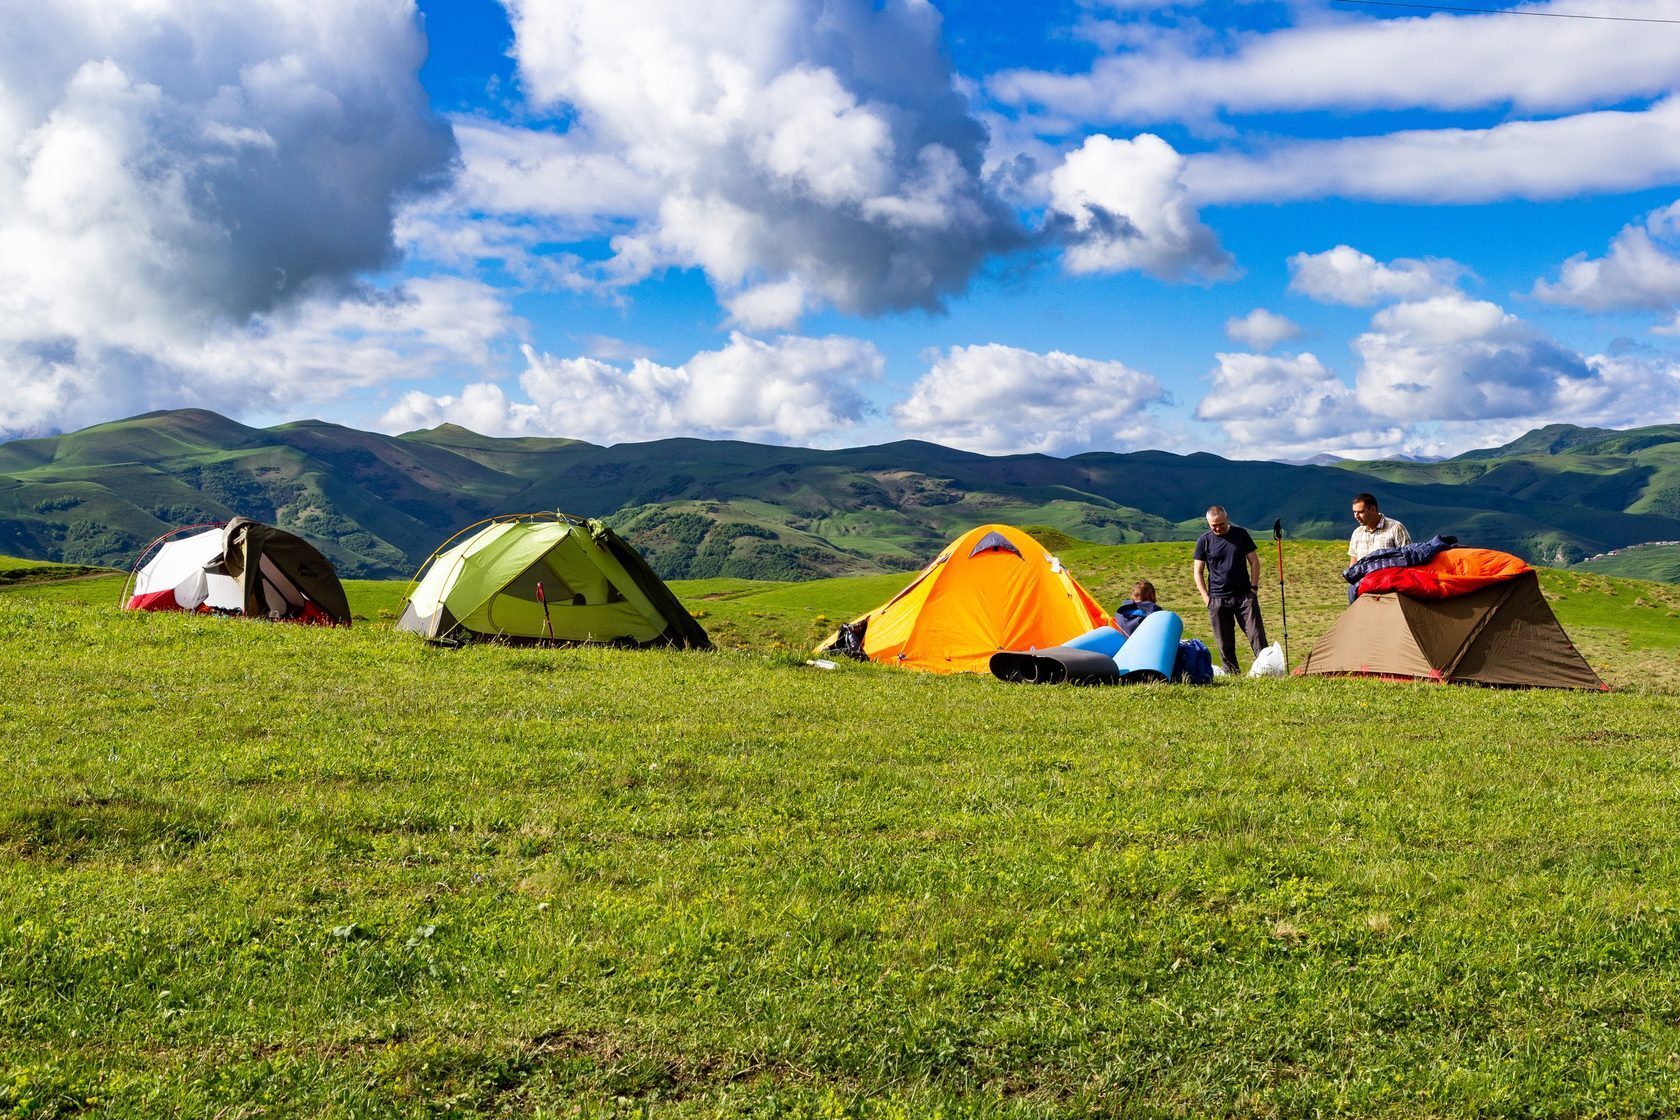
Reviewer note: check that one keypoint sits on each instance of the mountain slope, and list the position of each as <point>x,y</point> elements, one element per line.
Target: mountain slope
<point>379,504</point>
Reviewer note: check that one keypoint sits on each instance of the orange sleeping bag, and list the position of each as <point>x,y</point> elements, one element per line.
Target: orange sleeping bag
<point>1454,571</point>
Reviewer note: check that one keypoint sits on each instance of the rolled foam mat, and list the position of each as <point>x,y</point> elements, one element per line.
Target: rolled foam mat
<point>1105,640</point>
<point>1056,665</point>
<point>1150,652</point>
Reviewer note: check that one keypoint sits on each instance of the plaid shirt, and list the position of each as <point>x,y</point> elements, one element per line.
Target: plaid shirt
<point>1389,533</point>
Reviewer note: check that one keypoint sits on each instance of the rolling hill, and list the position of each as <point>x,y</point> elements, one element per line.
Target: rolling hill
<point>701,509</point>
<point>1658,561</point>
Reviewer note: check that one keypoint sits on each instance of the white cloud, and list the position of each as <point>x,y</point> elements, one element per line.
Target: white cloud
<point>1262,329</point>
<point>1606,151</point>
<point>794,146</point>
<point>1291,406</point>
<point>610,349</point>
<point>790,389</point>
<point>1624,392</point>
<point>1640,272</point>
<point>1121,204</point>
<point>1346,276</point>
<point>1437,376</point>
<point>281,361</point>
<point>769,305</point>
<point>171,170</point>
<point>520,191</point>
<point>1449,62</point>
<point>1454,358</point>
<point>1000,399</point>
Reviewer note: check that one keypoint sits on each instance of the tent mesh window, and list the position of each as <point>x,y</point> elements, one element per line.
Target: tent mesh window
<point>555,589</point>
<point>994,542</point>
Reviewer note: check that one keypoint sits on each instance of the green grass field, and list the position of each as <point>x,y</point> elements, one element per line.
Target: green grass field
<point>262,870</point>
<point>1648,562</point>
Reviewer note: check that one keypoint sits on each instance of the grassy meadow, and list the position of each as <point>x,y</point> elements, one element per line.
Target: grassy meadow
<point>1647,562</point>
<point>262,870</point>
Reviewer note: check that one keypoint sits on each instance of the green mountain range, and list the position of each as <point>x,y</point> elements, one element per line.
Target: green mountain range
<point>379,505</point>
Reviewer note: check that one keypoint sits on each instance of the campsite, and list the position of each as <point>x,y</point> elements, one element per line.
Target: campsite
<point>839,560</point>
<point>365,875</point>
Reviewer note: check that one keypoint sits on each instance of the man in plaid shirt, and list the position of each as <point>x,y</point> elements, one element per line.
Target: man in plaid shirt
<point>1375,531</point>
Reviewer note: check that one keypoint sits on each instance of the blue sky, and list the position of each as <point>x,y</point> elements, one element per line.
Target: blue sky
<point>1263,230</point>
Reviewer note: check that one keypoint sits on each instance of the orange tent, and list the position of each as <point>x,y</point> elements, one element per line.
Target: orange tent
<point>993,588</point>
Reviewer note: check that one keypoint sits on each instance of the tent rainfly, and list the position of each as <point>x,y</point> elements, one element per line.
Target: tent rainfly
<point>244,567</point>
<point>541,578</point>
<point>993,588</point>
<point>1502,635</point>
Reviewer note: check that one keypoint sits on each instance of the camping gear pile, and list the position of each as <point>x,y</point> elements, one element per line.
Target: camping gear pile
<point>546,578</point>
<point>1154,651</point>
<point>243,568</point>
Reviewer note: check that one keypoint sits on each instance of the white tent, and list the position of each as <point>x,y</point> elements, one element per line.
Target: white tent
<point>175,579</point>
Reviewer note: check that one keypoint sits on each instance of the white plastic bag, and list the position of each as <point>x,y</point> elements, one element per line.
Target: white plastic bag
<point>1269,662</point>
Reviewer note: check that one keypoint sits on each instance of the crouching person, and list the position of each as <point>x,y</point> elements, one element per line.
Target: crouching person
<point>1140,606</point>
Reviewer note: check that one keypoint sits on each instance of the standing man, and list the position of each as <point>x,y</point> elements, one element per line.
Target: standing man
<point>1226,567</point>
<point>1374,531</point>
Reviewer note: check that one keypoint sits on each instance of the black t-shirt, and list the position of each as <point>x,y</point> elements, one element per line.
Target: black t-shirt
<point>1227,560</point>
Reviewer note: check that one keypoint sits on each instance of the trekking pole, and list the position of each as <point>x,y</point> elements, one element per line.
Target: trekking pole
<point>1277,536</point>
<point>548,626</point>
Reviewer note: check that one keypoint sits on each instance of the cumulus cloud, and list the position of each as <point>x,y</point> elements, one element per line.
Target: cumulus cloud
<point>1121,205</point>
<point>1291,406</point>
<point>802,152</point>
<point>789,389</point>
<point>169,162</point>
<point>517,193</point>
<point>1000,399</point>
<point>1608,151</point>
<point>316,350</point>
<point>1436,376</point>
<point>1450,62</point>
<point>1623,392</point>
<point>171,170</point>
<point>1346,276</point>
<point>1262,329</point>
<point>1641,270</point>
<point>1454,358</point>
<point>1620,392</point>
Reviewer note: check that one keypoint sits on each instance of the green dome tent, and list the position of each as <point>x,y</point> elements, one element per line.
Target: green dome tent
<point>540,578</point>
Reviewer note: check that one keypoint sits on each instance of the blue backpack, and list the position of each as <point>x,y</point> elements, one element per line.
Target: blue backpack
<point>1194,663</point>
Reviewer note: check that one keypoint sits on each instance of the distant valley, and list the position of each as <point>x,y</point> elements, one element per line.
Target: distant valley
<point>379,504</point>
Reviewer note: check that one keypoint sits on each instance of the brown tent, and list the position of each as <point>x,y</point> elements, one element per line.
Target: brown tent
<point>1504,634</point>
<point>281,576</point>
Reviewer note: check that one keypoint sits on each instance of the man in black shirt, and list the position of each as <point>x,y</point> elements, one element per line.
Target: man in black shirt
<point>1227,569</point>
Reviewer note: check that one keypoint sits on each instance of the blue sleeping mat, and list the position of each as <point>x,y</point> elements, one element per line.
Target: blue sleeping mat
<point>1149,653</point>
